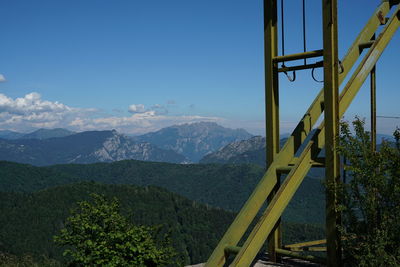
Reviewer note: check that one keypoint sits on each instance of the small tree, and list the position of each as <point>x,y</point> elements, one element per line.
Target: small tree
<point>371,199</point>
<point>98,235</point>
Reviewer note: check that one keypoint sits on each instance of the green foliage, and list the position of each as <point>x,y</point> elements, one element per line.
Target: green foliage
<point>371,199</point>
<point>100,235</point>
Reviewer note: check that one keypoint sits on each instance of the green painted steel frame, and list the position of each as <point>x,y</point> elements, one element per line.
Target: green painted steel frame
<point>272,108</point>
<point>331,118</point>
<point>303,163</point>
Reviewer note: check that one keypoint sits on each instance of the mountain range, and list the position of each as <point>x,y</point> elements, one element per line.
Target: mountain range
<point>85,147</point>
<point>249,151</point>
<point>203,142</point>
<point>38,134</point>
<point>176,144</point>
<point>253,151</point>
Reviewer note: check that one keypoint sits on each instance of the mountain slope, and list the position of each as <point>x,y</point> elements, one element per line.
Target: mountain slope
<point>245,151</point>
<point>194,140</point>
<point>85,147</point>
<point>10,135</point>
<point>47,133</point>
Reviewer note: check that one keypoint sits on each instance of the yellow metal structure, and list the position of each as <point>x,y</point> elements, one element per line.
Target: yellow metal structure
<point>331,116</point>
<point>272,107</point>
<point>301,150</point>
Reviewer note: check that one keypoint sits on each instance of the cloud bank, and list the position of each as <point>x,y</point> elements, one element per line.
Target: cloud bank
<point>31,112</point>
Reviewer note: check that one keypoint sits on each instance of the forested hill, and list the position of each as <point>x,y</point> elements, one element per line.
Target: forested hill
<point>225,186</point>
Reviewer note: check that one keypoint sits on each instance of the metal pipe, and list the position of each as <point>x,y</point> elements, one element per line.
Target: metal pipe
<point>366,45</point>
<point>301,67</point>
<point>306,244</point>
<point>232,249</point>
<point>309,54</point>
<point>373,104</point>
<point>373,108</point>
<point>299,256</point>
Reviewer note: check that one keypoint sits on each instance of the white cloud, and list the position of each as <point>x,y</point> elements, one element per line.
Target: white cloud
<point>138,123</point>
<point>136,108</point>
<point>30,104</point>
<point>30,112</point>
<point>2,78</point>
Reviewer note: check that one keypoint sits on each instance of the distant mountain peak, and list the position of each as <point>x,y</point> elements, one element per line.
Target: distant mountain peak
<point>194,140</point>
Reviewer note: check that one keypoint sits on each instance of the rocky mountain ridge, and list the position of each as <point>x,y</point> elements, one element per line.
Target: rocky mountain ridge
<point>85,147</point>
<point>245,151</point>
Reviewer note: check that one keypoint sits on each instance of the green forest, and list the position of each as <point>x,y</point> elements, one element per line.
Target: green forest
<point>226,186</point>
<point>30,220</point>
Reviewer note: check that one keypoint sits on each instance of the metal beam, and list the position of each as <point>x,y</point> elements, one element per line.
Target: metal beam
<point>331,105</point>
<point>272,107</point>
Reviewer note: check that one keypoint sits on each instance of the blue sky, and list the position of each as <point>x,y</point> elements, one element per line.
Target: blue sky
<point>140,65</point>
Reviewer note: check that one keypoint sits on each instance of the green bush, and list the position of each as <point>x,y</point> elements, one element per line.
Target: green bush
<point>98,235</point>
<point>370,200</point>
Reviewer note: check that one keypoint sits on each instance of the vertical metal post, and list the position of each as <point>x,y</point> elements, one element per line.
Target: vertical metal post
<point>373,108</point>
<point>272,104</point>
<point>331,104</point>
